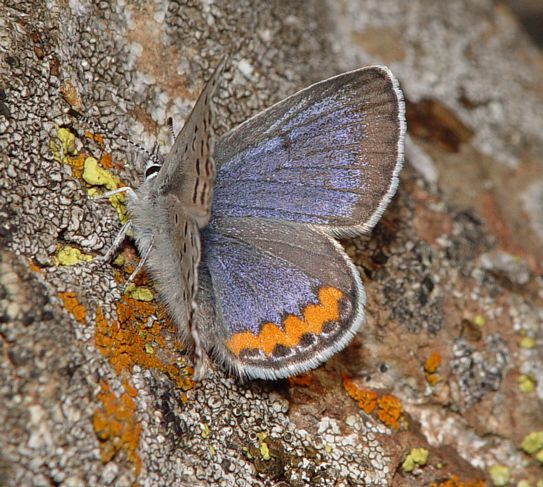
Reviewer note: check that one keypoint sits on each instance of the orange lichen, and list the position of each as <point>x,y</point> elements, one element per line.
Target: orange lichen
<point>432,362</point>
<point>388,407</point>
<point>116,426</point>
<point>366,399</point>
<point>95,137</point>
<point>33,266</point>
<point>303,380</point>
<point>431,366</point>
<point>454,481</point>
<point>315,316</point>
<point>73,306</point>
<point>106,161</point>
<point>76,163</point>
<point>125,343</point>
<point>135,339</point>
<point>389,410</point>
<point>129,388</point>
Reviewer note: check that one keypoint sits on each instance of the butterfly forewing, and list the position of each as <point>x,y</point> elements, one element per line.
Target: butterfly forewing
<point>189,169</point>
<point>328,155</point>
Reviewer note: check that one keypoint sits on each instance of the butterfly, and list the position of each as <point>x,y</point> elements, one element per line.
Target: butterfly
<point>239,236</point>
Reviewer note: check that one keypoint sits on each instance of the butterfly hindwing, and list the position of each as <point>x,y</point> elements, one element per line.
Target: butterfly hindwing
<point>284,296</point>
<point>328,155</point>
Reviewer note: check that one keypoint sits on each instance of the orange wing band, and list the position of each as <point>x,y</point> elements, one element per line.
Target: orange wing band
<point>314,317</point>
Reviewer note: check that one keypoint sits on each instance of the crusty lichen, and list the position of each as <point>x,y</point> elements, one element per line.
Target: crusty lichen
<point>132,340</point>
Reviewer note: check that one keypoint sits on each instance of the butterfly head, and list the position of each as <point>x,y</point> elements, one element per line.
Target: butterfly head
<point>153,164</point>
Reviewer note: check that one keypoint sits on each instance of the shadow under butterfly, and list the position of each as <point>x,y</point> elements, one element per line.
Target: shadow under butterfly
<point>238,236</point>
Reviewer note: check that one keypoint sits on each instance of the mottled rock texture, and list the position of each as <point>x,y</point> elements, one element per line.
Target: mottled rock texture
<point>449,361</point>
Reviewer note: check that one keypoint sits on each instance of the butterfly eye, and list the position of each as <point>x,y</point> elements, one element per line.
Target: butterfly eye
<point>152,171</point>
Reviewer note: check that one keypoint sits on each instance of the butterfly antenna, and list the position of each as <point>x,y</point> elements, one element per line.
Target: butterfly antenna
<point>154,156</point>
<point>98,127</point>
<point>170,124</point>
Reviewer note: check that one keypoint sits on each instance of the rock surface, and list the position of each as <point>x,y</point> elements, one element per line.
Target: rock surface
<point>443,385</point>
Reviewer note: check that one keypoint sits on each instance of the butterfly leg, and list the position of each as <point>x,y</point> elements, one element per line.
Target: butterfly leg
<point>114,247</point>
<point>122,232</point>
<point>141,263</point>
<point>125,189</point>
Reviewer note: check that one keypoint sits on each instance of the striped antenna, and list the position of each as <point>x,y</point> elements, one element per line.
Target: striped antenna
<point>170,124</point>
<point>98,127</point>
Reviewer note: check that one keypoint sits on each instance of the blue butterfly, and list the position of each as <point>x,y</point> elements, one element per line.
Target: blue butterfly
<point>239,236</point>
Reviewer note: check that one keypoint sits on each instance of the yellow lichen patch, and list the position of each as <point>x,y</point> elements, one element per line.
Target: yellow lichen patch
<point>417,457</point>
<point>314,317</point>
<point>116,426</point>
<point>95,175</point>
<point>139,293</point>
<point>499,474</point>
<point>67,141</point>
<point>366,399</point>
<point>533,445</point>
<point>454,481</point>
<point>527,342</point>
<point>431,366</point>
<point>204,430</point>
<point>526,383</point>
<point>73,306</point>
<point>532,442</point>
<point>117,201</point>
<point>264,451</point>
<point>69,255</point>
<point>263,446</point>
<point>479,320</point>
<point>389,410</point>
<point>119,260</point>
<point>64,150</point>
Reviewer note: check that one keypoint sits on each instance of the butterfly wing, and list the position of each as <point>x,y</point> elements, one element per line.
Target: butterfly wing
<point>278,298</point>
<point>328,155</point>
<point>189,171</point>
